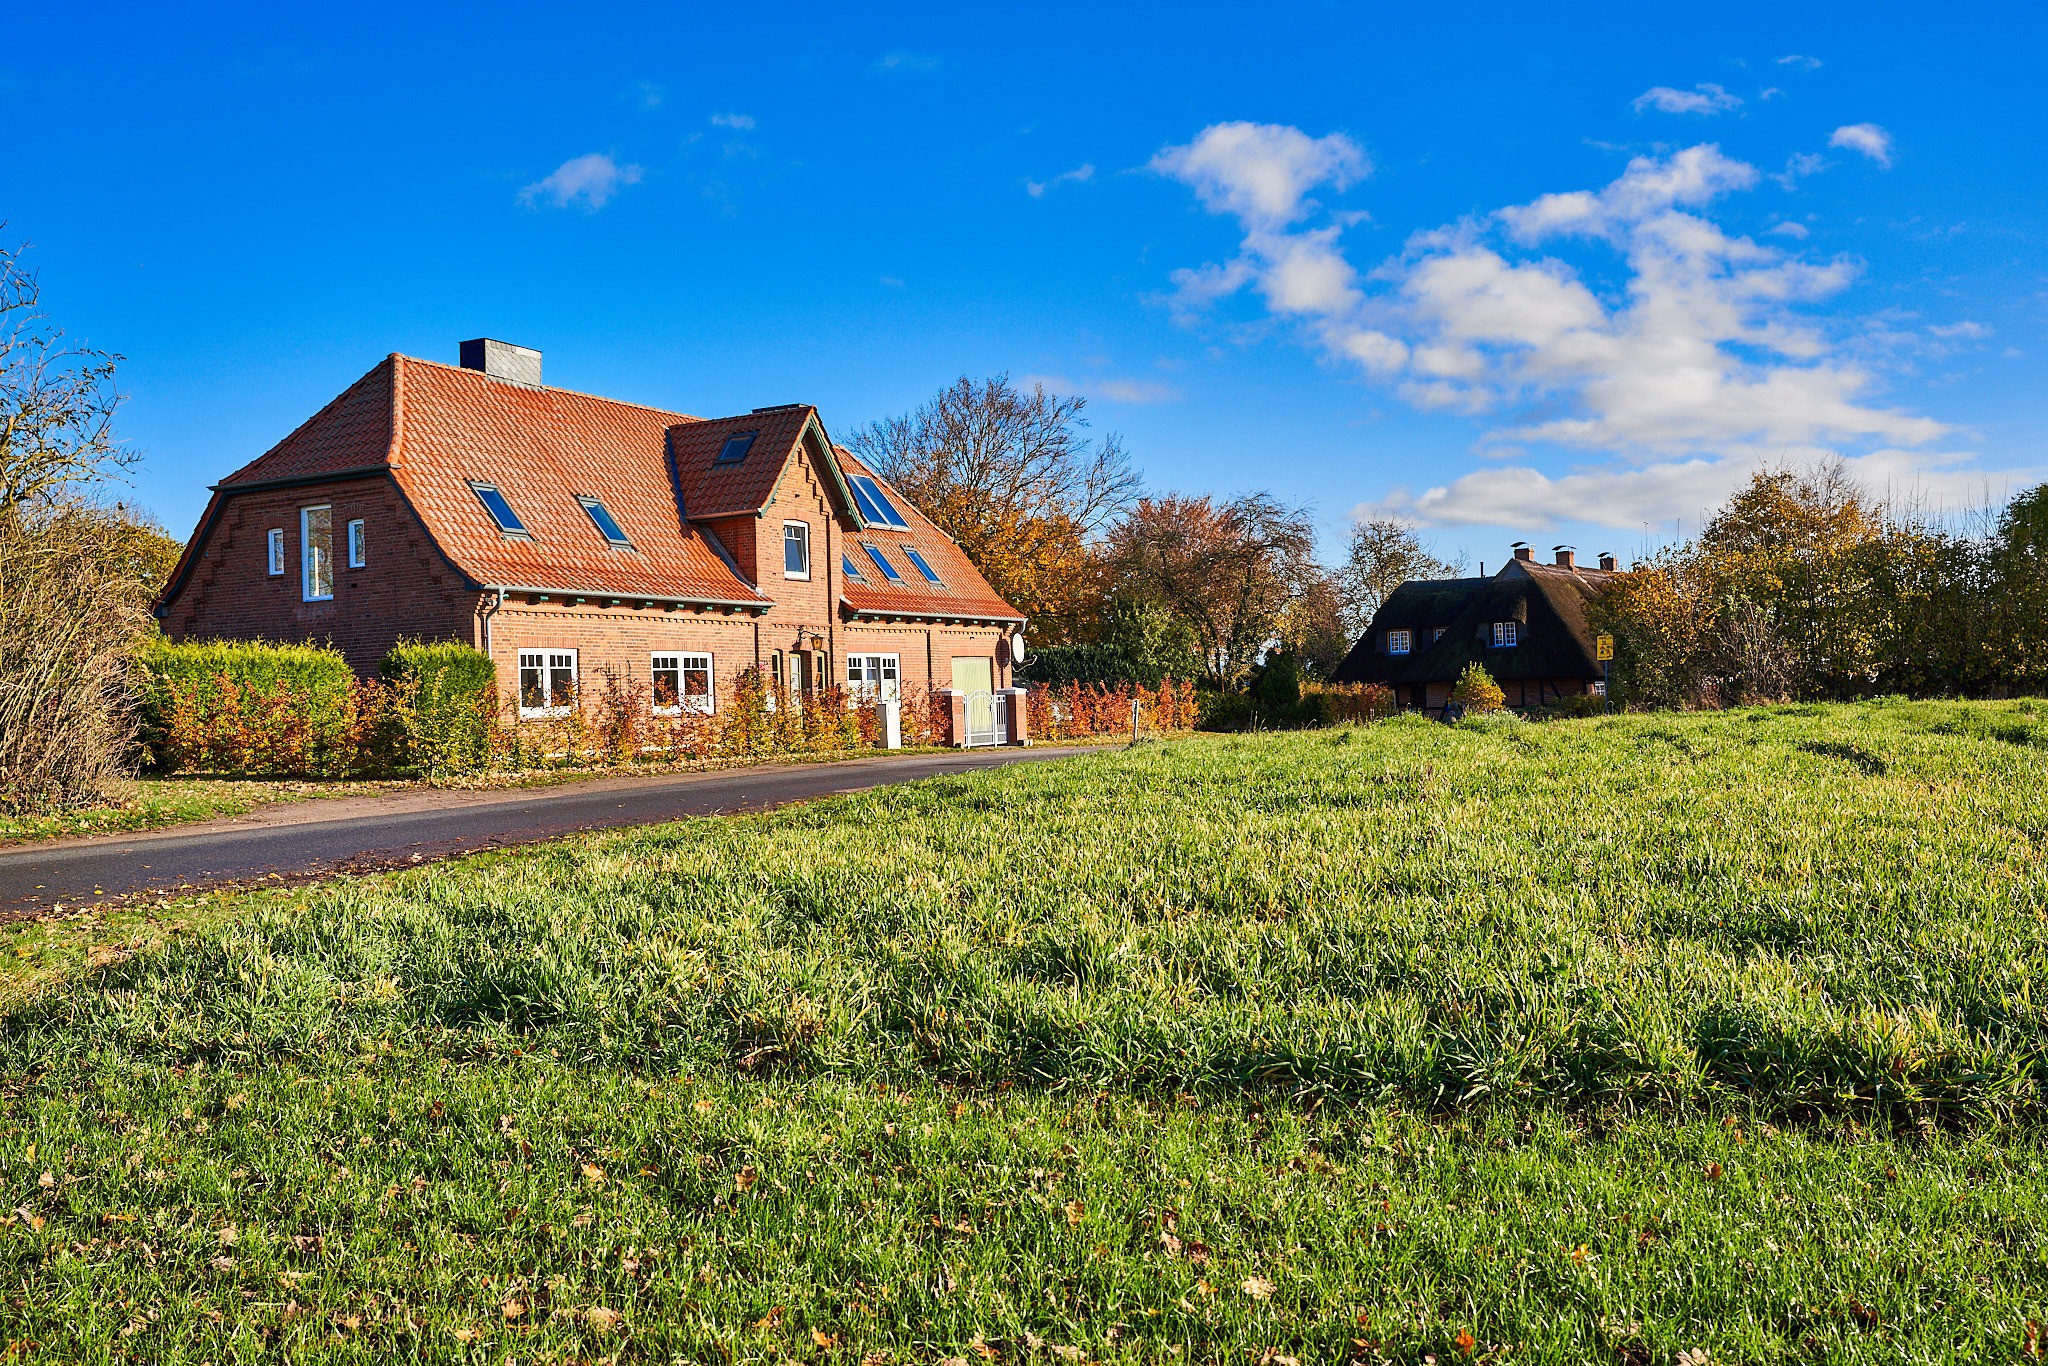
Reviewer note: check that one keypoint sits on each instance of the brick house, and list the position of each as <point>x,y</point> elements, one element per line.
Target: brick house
<point>567,535</point>
<point>1527,626</point>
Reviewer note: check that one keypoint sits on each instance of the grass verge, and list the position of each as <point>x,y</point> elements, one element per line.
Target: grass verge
<point>1602,1040</point>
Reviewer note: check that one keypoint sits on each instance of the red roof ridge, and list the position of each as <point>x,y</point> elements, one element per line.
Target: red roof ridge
<point>553,388</point>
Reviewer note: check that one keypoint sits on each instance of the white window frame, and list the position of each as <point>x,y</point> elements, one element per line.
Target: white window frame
<point>1400,642</point>
<point>687,662</point>
<point>276,551</point>
<point>1505,635</point>
<point>804,538</point>
<point>873,676</point>
<point>307,559</point>
<point>358,544</point>
<point>547,657</point>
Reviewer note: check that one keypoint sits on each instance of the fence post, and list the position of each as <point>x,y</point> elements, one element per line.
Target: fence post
<point>1134,720</point>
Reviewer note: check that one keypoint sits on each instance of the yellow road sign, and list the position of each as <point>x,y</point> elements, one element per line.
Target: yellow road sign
<point>1603,648</point>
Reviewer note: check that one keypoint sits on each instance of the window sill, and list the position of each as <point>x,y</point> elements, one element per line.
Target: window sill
<point>801,578</point>
<point>544,713</point>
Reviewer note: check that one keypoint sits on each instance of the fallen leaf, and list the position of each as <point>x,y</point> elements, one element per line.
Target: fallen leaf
<point>1258,1287</point>
<point>511,1309</point>
<point>745,1178</point>
<point>1465,1343</point>
<point>601,1318</point>
<point>823,1338</point>
<point>1075,1210</point>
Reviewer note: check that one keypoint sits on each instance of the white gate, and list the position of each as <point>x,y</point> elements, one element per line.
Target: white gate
<point>986,724</point>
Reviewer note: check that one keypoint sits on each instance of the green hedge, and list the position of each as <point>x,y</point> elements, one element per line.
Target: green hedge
<point>443,699</point>
<point>235,706</point>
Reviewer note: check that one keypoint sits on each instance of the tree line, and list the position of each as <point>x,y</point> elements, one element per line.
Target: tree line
<point>1119,581</point>
<point>1804,586</point>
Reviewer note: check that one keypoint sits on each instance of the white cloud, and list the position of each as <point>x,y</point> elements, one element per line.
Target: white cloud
<point>1080,175</point>
<point>646,94</point>
<point>1262,172</point>
<point>1622,323</point>
<point>1798,166</point>
<point>1628,498</point>
<point>1867,138</point>
<point>1706,98</point>
<point>588,181</point>
<point>1803,63</point>
<point>906,62</point>
<point>740,123</point>
<point>1110,389</point>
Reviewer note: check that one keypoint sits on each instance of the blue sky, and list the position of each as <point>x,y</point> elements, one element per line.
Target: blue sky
<point>1512,276</point>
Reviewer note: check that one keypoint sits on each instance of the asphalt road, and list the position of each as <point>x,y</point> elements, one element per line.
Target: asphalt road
<point>297,842</point>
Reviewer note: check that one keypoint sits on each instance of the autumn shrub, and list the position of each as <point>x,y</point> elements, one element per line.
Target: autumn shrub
<point>1078,710</point>
<point>1476,691</point>
<point>443,700</point>
<point>71,608</point>
<point>254,707</point>
<point>1353,703</point>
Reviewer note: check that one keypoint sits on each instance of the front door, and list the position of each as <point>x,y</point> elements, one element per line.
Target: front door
<point>975,675</point>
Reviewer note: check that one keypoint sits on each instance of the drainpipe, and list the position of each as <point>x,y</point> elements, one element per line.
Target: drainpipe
<point>490,612</point>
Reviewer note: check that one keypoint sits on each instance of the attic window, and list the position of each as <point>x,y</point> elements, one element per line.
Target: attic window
<point>1504,635</point>
<point>1399,642</point>
<point>874,504</point>
<point>882,563</point>
<point>735,448</point>
<point>931,575</point>
<point>500,510</point>
<point>607,525</point>
<point>849,568</point>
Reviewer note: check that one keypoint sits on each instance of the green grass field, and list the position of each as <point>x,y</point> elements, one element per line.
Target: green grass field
<point>1611,1040</point>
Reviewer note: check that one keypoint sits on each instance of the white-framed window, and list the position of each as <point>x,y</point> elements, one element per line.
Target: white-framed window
<point>874,676</point>
<point>316,553</point>
<point>796,550</point>
<point>547,682</point>
<point>1400,642</point>
<point>682,682</point>
<point>1504,635</point>
<point>1436,633</point>
<point>358,547</point>
<point>276,540</point>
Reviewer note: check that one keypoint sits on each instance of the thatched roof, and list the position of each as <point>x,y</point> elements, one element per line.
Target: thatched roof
<point>1548,603</point>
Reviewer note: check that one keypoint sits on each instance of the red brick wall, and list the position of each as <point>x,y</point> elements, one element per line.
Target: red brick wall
<point>406,589</point>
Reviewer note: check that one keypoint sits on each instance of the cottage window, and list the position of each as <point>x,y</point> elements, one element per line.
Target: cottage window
<point>1436,634</point>
<point>358,551</point>
<point>316,553</point>
<point>796,550</point>
<point>682,682</point>
<point>277,551</point>
<point>1400,642</point>
<point>874,676</point>
<point>1504,635</point>
<point>547,682</point>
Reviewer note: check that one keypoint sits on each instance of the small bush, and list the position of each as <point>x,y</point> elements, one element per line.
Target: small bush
<point>235,706</point>
<point>1476,691</point>
<point>444,696</point>
<point>1356,703</point>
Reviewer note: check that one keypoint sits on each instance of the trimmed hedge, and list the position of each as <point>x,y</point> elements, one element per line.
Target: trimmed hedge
<point>443,701</point>
<point>234,706</point>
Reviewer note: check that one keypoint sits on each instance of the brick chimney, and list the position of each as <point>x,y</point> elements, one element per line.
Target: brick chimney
<point>1523,552</point>
<point>1567,558</point>
<point>502,360</point>
<point>1606,560</point>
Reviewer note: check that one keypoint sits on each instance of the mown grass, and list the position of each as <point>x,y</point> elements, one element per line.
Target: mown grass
<point>1598,1040</point>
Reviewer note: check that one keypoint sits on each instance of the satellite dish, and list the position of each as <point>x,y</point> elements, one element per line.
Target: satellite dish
<point>1017,647</point>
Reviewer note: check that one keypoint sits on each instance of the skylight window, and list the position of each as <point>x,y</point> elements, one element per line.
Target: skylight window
<point>930,574</point>
<point>882,563</point>
<point>607,525</point>
<point>500,510</point>
<point>874,504</point>
<point>848,567</point>
<point>735,448</point>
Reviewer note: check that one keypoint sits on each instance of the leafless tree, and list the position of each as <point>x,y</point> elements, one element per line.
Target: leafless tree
<point>1383,554</point>
<point>57,401</point>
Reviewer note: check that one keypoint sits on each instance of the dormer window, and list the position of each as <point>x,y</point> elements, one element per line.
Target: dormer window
<point>1400,642</point>
<point>606,524</point>
<point>1504,635</point>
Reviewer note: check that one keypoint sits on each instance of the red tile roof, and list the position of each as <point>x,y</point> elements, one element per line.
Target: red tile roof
<point>438,427</point>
